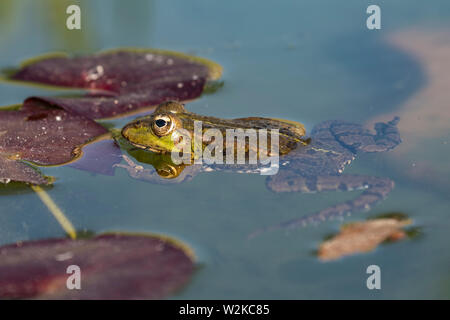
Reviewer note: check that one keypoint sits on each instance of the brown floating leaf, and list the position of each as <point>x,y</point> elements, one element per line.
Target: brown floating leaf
<point>113,266</point>
<point>121,81</point>
<point>360,237</point>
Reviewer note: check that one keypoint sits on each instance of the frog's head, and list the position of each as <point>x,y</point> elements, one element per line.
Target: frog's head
<point>158,131</point>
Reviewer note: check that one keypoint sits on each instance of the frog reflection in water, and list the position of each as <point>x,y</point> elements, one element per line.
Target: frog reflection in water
<point>306,165</point>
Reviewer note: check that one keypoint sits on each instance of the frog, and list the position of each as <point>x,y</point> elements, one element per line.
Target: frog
<point>307,164</point>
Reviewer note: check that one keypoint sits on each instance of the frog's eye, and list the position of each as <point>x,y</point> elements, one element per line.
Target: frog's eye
<point>162,125</point>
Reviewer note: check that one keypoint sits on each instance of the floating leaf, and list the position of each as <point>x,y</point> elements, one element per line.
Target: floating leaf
<point>45,136</point>
<point>113,266</point>
<point>42,135</point>
<point>13,170</point>
<point>363,236</point>
<point>121,81</point>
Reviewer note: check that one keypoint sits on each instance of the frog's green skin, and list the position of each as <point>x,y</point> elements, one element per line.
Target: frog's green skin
<point>304,167</point>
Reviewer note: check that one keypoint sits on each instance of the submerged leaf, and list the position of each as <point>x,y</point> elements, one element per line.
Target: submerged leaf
<point>358,237</point>
<point>113,266</point>
<point>120,81</point>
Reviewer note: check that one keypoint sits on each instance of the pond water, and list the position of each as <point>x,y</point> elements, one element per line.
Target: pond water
<point>306,61</point>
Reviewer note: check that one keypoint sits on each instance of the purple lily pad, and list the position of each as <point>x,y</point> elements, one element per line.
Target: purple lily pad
<point>42,135</point>
<point>122,81</point>
<point>113,266</point>
<point>13,170</point>
<point>45,136</point>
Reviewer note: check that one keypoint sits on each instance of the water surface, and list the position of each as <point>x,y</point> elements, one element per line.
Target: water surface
<point>307,61</point>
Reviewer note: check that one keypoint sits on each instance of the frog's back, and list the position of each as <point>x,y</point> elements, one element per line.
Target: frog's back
<point>325,155</point>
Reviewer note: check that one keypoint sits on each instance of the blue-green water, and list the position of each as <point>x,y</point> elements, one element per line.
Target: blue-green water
<point>307,61</point>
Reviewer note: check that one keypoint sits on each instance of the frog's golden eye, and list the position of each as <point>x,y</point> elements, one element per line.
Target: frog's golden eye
<point>163,125</point>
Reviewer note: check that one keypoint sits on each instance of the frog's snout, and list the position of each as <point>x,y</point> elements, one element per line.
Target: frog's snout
<point>125,130</point>
<point>132,127</point>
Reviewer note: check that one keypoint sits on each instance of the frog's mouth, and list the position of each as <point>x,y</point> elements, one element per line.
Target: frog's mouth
<point>147,148</point>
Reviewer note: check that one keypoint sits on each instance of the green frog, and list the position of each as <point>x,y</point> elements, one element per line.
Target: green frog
<point>306,164</point>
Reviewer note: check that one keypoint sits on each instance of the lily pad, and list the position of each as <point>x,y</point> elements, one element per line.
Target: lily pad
<point>112,266</point>
<point>42,135</point>
<point>121,81</point>
<point>13,170</point>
